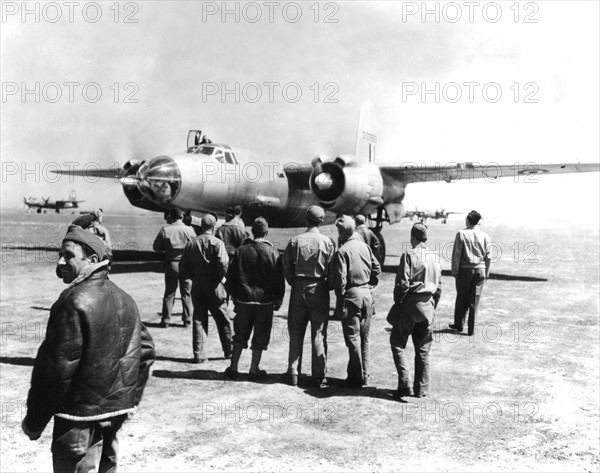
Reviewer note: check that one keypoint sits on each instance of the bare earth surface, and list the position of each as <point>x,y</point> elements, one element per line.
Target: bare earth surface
<point>522,394</point>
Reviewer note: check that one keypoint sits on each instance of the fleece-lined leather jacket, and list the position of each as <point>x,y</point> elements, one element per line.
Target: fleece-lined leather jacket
<point>256,274</point>
<point>95,359</point>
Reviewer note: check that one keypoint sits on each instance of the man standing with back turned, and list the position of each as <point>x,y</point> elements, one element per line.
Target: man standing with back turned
<point>416,295</point>
<point>91,369</point>
<point>172,239</point>
<point>256,284</point>
<point>205,260</point>
<point>233,232</point>
<point>470,267</point>
<point>355,270</point>
<point>306,262</point>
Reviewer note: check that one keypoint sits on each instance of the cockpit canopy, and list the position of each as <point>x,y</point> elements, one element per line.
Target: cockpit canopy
<point>221,153</point>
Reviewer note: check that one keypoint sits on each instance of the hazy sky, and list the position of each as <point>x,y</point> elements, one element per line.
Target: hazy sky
<point>176,52</point>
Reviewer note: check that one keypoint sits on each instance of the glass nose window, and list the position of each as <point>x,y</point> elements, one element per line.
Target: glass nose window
<point>160,179</point>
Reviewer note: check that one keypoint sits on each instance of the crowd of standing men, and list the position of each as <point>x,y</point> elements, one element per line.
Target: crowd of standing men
<point>227,263</point>
<point>92,367</point>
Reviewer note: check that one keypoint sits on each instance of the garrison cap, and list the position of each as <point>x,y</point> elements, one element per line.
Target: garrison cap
<point>76,234</point>
<point>260,226</point>
<point>208,222</point>
<point>419,232</point>
<point>345,225</point>
<point>315,214</point>
<point>360,219</point>
<point>84,221</point>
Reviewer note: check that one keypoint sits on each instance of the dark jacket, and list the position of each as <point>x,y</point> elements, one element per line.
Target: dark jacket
<point>255,274</point>
<point>95,359</point>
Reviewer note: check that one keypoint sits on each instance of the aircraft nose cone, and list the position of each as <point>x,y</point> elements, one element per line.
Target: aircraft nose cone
<point>324,181</point>
<point>159,179</point>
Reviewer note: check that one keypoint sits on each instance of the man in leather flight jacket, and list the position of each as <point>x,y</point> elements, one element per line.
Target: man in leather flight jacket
<point>92,367</point>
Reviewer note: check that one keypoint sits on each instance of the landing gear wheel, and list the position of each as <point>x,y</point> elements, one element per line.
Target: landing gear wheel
<point>381,250</point>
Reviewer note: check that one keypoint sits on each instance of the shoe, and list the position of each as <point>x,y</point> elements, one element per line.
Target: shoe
<point>257,375</point>
<point>404,392</point>
<point>233,375</point>
<point>319,383</point>
<point>187,323</point>
<point>291,379</point>
<point>417,394</point>
<point>227,356</point>
<point>365,381</point>
<point>455,327</point>
<point>163,324</point>
<point>197,361</point>
<point>400,394</point>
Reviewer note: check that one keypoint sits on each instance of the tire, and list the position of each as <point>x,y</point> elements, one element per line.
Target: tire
<point>381,252</point>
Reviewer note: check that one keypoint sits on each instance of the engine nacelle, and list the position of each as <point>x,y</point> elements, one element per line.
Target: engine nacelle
<point>344,186</point>
<point>133,194</point>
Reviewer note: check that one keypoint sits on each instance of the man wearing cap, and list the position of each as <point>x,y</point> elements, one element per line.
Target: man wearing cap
<point>204,261</point>
<point>306,261</point>
<point>92,222</point>
<point>470,267</point>
<point>355,270</point>
<point>256,285</point>
<point>91,368</point>
<point>416,294</point>
<point>172,239</point>
<point>367,234</point>
<point>233,231</point>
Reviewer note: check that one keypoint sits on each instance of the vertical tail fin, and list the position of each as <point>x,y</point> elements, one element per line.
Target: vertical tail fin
<point>366,138</point>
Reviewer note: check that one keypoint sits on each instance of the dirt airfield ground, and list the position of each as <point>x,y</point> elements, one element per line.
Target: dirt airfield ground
<point>521,395</point>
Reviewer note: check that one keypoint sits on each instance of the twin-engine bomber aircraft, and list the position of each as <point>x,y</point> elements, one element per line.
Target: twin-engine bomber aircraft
<point>56,205</point>
<point>423,215</point>
<point>211,177</point>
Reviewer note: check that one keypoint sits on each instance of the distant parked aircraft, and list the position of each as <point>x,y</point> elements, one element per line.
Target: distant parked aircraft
<point>435,214</point>
<point>46,203</point>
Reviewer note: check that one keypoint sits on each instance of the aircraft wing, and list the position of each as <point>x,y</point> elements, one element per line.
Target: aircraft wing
<point>413,172</point>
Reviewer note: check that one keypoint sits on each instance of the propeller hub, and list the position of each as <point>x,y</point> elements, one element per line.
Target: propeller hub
<point>158,179</point>
<point>324,181</point>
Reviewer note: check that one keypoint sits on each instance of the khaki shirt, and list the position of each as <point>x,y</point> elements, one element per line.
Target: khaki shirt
<point>419,272</point>
<point>308,256</point>
<point>354,265</point>
<point>368,237</point>
<point>233,234</point>
<point>471,250</point>
<point>172,239</point>
<point>204,258</point>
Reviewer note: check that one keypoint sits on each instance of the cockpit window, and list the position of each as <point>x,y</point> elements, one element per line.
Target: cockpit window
<point>207,150</point>
<point>230,158</point>
<point>218,155</point>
